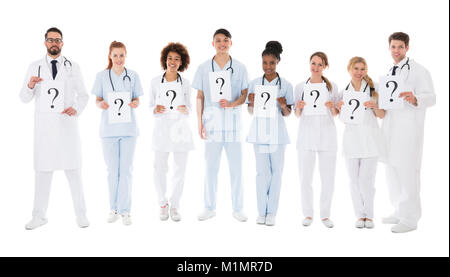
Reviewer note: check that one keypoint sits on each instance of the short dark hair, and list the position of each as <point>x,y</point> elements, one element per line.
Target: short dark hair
<point>55,30</point>
<point>399,36</point>
<point>181,50</point>
<point>223,32</point>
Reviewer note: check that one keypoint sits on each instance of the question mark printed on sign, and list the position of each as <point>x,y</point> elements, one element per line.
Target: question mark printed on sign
<point>223,82</point>
<point>121,104</point>
<point>268,97</point>
<point>317,96</point>
<point>357,105</point>
<point>395,88</point>
<point>173,98</point>
<point>56,95</point>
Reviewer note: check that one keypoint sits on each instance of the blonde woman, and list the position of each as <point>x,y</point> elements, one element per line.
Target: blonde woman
<point>362,144</point>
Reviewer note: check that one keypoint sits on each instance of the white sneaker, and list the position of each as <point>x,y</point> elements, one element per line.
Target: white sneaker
<point>112,217</point>
<point>307,222</point>
<point>206,214</point>
<point>126,219</point>
<point>369,224</point>
<point>328,223</point>
<point>390,220</point>
<point>240,216</point>
<point>164,212</point>
<point>35,222</point>
<point>401,228</point>
<point>174,214</point>
<point>360,224</point>
<point>270,220</point>
<point>82,221</point>
<point>261,220</point>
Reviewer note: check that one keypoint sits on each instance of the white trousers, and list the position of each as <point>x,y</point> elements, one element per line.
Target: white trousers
<point>161,167</point>
<point>362,174</point>
<point>327,167</point>
<point>43,180</point>
<point>404,192</point>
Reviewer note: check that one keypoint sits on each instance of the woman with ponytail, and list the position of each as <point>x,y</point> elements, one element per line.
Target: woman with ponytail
<point>317,137</point>
<point>362,144</point>
<point>269,136</point>
<point>118,139</point>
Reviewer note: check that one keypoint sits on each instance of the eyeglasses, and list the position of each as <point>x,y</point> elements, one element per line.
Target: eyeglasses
<point>51,40</point>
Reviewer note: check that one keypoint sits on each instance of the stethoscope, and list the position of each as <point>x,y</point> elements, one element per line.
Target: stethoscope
<point>178,78</point>
<point>124,77</point>
<point>65,63</point>
<point>303,93</point>
<point>401,68</point>
<point>277,83</point>
<point>367,84</point>
<point>230,67</point>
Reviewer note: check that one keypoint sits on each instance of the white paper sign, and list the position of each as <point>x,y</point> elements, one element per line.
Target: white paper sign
<point>389,90</point>
<point>265,101</point>
<point>119,111</point>
<point>51,98</point>
<point>315,96</point>
<point>220,85</point>
<point>353,110</point>
<point>170,96</point>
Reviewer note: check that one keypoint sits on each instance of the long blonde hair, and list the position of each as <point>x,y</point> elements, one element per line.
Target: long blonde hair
<point>324,58</point>
<point>366,77</point>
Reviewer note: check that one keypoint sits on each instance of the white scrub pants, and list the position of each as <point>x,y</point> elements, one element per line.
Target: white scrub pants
<point>161,167</point>
<point>327,166</point>
<point>213,153</point>
<point>362,174</point>
<point>404,192</point>
<point>269,170</point>
<point>118,153</point>
<point>43,180</point>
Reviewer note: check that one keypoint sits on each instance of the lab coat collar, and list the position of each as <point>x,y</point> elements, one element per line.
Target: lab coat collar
<point>363,85</point>
<point>402,62</point>
<point>50,59</point>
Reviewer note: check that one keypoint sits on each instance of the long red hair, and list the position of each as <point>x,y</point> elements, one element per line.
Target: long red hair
<point>114,44</point>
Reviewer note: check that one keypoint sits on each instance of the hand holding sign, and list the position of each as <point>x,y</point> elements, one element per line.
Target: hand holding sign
<point>119,111</point>
<point>390,89</point>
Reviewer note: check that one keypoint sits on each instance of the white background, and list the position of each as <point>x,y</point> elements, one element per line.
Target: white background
<point>341,29</point>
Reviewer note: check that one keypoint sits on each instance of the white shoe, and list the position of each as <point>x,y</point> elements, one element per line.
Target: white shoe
<point>174,214</point>
<point>401,228</point>
<point>82,221</point>
<point>261,220</point>
<point>35,222</point>
<point>126,219</point>
<point>112,217</point>
<point>240,216</point>
<point>360,224</point>
<point>328,223</point>
<point>270,220</point>
<point>369,224</point>
<point>164,212</point>
<point>307,222</point>
<point>206,214</point>
<point>390,220</point>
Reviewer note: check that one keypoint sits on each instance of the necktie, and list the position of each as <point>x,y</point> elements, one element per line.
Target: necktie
<point>54,70</point>
<point>393,70</point>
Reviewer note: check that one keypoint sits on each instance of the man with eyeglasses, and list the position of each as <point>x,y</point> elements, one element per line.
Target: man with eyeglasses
<point>60,96</point>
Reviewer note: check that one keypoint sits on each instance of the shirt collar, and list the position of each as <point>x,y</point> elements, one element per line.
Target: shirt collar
<point>402,62</point>
<point>50,59</point>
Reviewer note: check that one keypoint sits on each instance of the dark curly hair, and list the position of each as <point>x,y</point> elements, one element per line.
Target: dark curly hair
<point>178,48</point>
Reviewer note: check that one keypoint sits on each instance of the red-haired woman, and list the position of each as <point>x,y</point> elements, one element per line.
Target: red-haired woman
<point>317,137</point>
<point>170,102</point>
<point>118,139</point>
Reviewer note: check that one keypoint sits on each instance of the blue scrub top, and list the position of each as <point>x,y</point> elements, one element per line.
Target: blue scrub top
<point>102,87</point>
<point>271,130</point>
<point>222,125</point>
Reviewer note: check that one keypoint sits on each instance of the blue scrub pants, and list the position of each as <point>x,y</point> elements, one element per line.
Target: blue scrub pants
<point>118,153</point>
<point>213,153</point>
<point>269,170</point>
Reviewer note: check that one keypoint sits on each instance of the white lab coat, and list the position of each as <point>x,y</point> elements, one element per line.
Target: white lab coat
<point>56,137</point>
<point>403,129</point>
